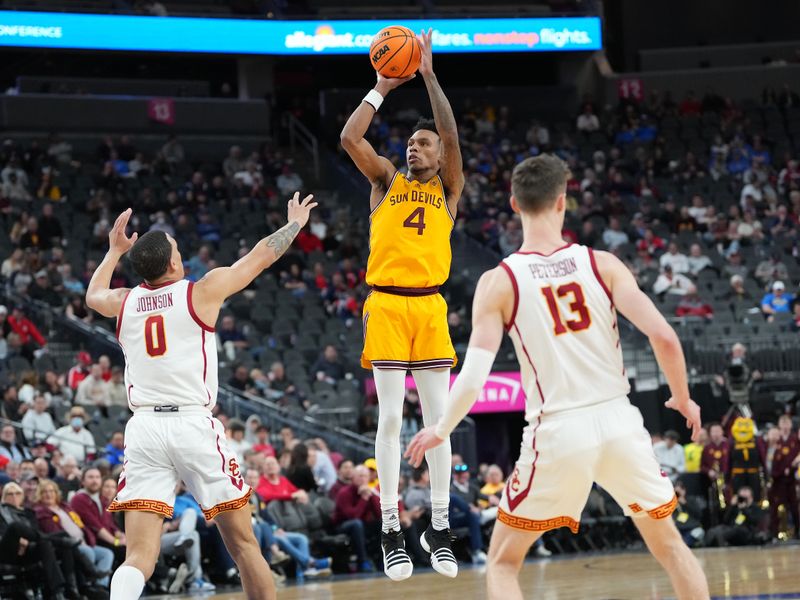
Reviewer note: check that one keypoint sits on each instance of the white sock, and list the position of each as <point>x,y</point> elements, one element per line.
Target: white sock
<point>440,518</point>
<point>391,388</point>
<point>390,519</point>
<point>127,583</point>
<point>434,391</point>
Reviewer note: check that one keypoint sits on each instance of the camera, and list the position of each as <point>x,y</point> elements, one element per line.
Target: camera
<point>737,378</point>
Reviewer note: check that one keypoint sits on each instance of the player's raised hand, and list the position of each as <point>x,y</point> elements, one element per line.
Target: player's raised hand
<point>425,40</point>
<point>422,442</point>
<point>299,211</point>
<point>117,240</point>
<point>691,411</point>
<point>387,84</point>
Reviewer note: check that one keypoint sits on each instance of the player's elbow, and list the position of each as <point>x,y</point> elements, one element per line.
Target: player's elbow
<point>348,139</point>
<point>92,302</point>
<point>664,337</point>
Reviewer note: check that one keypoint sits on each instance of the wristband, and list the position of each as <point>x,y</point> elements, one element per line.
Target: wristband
<point>374,99</point>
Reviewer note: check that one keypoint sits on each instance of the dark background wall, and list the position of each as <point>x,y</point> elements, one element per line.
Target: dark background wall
<point>632,25</point>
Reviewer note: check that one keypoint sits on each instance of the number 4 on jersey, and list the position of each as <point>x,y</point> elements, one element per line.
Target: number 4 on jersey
<point>419,224</point>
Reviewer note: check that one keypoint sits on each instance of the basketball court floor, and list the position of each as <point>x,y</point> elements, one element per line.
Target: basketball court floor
<point>737,573</point>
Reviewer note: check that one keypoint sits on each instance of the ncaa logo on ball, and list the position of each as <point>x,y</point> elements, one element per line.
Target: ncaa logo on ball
<point>379,53</point>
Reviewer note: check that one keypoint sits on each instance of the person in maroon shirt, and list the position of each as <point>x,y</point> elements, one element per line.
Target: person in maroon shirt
<point>358,508</point>
<point>716,453</point>
<point>714,462</point>
<point>784,457</point>
<point>274,486</point>
<point>344,475</point>
<point>92,508</point>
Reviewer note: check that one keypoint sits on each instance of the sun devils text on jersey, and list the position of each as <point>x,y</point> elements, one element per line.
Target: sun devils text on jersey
<point>409,237</point>
<point>405,317</point>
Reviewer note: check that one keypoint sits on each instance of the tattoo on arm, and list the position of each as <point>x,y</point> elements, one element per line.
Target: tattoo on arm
<point>282,239</point>
<point>442,111</point>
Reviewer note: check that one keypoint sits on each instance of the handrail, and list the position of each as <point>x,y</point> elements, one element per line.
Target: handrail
<point>19,426</point>
<point>234,401</point>
<point>302,134</point>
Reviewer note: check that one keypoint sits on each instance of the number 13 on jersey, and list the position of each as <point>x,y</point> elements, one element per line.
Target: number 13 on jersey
<point>577,306</point>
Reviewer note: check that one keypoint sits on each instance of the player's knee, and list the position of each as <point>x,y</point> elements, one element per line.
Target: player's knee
<point>500,562</point>
<point>240,548</point>
<point>668,546</point>
<point>389,425</point>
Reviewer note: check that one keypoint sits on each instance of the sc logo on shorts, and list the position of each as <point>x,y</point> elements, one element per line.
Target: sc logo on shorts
<point>514,482</point>
<point>233,468</point>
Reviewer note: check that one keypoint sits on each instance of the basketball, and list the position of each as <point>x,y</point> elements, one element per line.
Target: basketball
<point>395,52</point>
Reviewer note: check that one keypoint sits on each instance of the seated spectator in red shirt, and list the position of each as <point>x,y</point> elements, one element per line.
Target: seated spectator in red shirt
<point>357,506</point>
<point>352,275</point>
<point>320,280</point>
<point>344,476</point>
<point>105,365</point>
<point>690,105</point>
<point>274,486</point>
<point>92,508</point>
<point>308,242</point>
<point>25,328</point>
<point>650,242</point>
<point>691,305</point>
<point>29,335</point>
<point>358,500</point>
<point>80,371</point>
<point>262,444</point>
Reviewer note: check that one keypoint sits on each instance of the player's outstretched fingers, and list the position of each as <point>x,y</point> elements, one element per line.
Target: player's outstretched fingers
<point>415,453</point>
<point>122,219</point>
<point>307,199</point>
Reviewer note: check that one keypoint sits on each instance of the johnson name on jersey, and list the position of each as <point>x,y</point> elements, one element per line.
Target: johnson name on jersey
<point>170,355</point>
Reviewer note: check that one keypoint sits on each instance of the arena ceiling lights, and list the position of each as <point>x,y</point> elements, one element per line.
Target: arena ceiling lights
<point>239,36</point>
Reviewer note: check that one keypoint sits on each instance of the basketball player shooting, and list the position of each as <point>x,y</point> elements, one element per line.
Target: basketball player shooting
<point>558,303</point>
<point>164,327</point>
<point>405,318</point>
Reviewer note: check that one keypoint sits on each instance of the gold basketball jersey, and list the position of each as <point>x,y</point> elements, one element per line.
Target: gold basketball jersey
<point>409,236</point>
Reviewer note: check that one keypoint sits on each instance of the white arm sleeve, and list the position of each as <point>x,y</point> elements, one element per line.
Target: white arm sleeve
<point>469,383</point>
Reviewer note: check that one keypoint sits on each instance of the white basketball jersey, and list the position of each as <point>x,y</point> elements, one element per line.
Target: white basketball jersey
<point>564,330</point>
<point>170,355</point>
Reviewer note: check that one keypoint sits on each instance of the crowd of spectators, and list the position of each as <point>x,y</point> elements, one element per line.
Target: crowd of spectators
<point>687,193</point>
<point>737,485</point>
<point>694,196</point>
<point>314,510</point>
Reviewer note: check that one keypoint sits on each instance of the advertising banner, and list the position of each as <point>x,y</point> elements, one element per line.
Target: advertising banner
<point>502,393</point>
<point>240,36</point>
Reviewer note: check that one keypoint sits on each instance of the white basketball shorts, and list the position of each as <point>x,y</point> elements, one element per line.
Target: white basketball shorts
<point>163,448</point>
<point>564,453</point>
